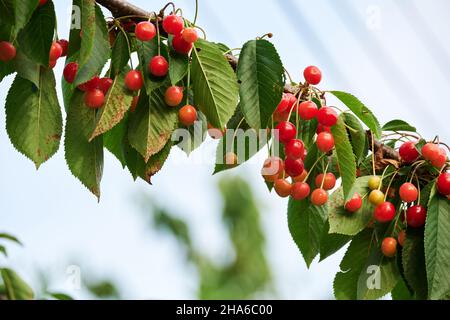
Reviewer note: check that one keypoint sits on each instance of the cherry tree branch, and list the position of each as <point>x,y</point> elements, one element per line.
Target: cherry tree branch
<point>122,8</point>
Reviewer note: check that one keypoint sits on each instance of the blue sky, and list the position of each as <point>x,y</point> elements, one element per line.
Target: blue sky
<point>391,54</point>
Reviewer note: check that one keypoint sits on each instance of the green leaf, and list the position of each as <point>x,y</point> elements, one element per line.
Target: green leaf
<point>214,84</point>
<point>437,246</point>
<point>95,50</point>
<point>378,277</point>
<point>413,261</point>
<point>116,139</point>
<point>425,194</point>
<point>33,118</point>
<point>146,51</point>
<point>152,124</point>
<point>27,69</point>
<point>117,102</point>
<point>120,53</point>
<point>36,38</point>
<point>331,243</point>
<point>306,223</point>
<point>401,291</point>
<point>6,69</point>
<point>260,72</point>
<point>360,110</point>
<point>15,287</point>
<point>84,158</point>
<point>345,156</point>
<point>345,283</point>
<point>7,11</point>
<point>398,125</point>
<point>178,66</point>
<point>343,222</point>
<point>358,137</point>
<point>10,238</point>
<point>3,250</point>
<point>23,12</point>
<point>60,296</point>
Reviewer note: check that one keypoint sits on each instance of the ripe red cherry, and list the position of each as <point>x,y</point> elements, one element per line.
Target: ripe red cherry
<point>284,107</point>
<point>301,177</point>
<point>52,64</point>
<point>384,212</point>
<point>408,152</point>
<point>416,216</point>
<point>158,66</point>
<point>173,24</point>
<point>134,80</point>
<point>408,192</point>
<point>70,72</point>
<point>401,237</point>
<point>282,187</point>
<point>300,190</point>
<point>64,45</point>
<point>272,169</point>
<point>325,142</point>
<point>319,197</point>
<point>189,35</point>
<point>327,116</point>
<point>145,31</point>
<point>286,131</point>
<point>187,115</point>
<point>441,160</point>
<point>90,85</point>
<point>42,2</point>
<point>443,183</point>
<point>307,110</point>
<point>430,151</point>
<point>7,51</point>
<point>173,96</point>
<point>295,149</point>
<point>56,51</point>
<point>329,181</point>
<point>321,128</point>
<point>294,168</point>
<point>94,99</point>
<point>312,75</point>
<point>134,103</point>
<point>389,247</point>
<point>214,132</point>
<point>105,84</point>
<point>354,204</point>
<point>180,45</point>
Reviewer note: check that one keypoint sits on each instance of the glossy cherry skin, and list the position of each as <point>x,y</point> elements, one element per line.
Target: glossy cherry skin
<point>286,131</point>
<point>189,35</point>
<point>64,45</point>
<point>301,177</point>
<point>376,197</point>
<point>94,99</point>
<point>145,31</point>
<point>321,128</point>
<point>173,96</point>
<point>441,160</point>
<point>312,75</point>
<point>326,182</point>
<point>384,212</point>
<point>282,187</point>
<point>389,247</point>
<point>319,197</point>
<point>7,51</point>
<point>295,149</point>
<point>90,85</point>
<point>325,142</point>
<point>134,80</point>
<point>56,51</point>
<point>300,190</point>
<point>158,66</point>
<point>42,2</point>
<point>307,110</point>
<point>430,151</point>
<point>408,192</point>
<point>273,168</point>
<point>443,183</point>
<point>327,116</point>
<point>401,237</point>
<point>294,168</point>
<point>354,204</point>
<point>173,24</point>
<point>416,216</point>
<point>281,113</point>
<point>374,182</point>
<point>408,152</point>
<point>105,84</point>
<point>134,103</point>
<point>187,115</point>
<point>70,72</point>
<point>180,45</point>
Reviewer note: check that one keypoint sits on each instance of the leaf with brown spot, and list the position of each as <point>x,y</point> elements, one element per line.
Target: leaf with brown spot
<point>152,124</point>
<point>117,102</point>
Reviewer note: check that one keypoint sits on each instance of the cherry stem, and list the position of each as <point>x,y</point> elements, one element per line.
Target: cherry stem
<point>324,174</point>
<point>389,185</point>
<point>188,82</point>
<point>196,11</point>
<point>418,189</point>
<point>313,166</point>
<point>373,155</point>
<point>128,43</point>
<point>166,6</point>
<point>159,38</point>
<point>382,177</point>
<point>416,165</point>
<point>231,50</point>
<point>289,75</point>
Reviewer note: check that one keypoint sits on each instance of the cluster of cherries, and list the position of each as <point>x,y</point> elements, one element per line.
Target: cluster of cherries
<point>277,170</point>
<point>183,39</point>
